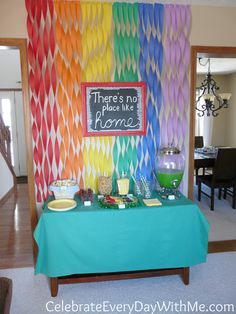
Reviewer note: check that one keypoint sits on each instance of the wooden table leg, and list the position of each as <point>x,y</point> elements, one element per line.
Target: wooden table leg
<point>54,286</point>
<point>185,275</point>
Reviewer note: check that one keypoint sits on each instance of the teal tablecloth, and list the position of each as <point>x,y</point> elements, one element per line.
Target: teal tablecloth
<point>97,240</point>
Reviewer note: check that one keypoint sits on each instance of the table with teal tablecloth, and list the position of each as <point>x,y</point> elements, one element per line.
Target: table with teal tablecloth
<point>92,239</point>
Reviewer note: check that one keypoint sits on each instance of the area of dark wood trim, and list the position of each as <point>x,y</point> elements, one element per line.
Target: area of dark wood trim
<point>10,89</point>
<point>22,179</point>
<point>56,281</point>
<point>222,246</point>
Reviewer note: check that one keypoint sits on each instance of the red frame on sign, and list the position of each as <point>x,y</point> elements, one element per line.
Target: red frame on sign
<point>140,85</point>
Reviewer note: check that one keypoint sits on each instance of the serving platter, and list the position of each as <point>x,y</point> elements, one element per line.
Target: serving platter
<point>111,201</point>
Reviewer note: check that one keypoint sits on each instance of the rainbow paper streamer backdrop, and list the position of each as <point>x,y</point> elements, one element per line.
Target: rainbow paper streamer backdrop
<point>74,41</point>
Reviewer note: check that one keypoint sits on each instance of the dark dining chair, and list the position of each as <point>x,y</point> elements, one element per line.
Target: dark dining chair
<point>5,295</point>
<point>223,176</point>
<point>198,142</point>
<point>228,191</point>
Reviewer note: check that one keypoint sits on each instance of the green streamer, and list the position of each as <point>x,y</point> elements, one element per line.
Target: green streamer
<point>126,52</point>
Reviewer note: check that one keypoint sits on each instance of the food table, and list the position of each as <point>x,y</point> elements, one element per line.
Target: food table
<point>95,240</point>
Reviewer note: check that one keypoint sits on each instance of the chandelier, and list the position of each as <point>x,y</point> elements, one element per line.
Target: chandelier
<point>208,92</point>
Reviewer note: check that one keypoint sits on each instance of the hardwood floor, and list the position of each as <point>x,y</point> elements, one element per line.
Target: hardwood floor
<point>15,230</point>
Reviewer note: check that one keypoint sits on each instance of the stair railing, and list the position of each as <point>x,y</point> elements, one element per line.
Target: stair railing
<point>5,141</point>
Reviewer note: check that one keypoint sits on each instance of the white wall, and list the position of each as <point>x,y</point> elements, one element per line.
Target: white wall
<point>220,123</point>
<point>20,142</point>
<point>213,26</point>
<point>6,177</point>
<point>224,125</point>
<point>231,114</point>
<point>210,25</point>
<point>10,72</point>
<point>13,19</point>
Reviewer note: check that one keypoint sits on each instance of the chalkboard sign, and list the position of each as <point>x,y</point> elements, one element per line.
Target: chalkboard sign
<point>114,109</point>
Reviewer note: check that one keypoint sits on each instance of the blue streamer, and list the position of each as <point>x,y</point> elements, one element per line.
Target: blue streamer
<point>156,16</point>
<point>155,87</point>
<point>150,13</point>
<point>150,49</point>
<point>160,58</point>
<point>145,49</point>
<point>161,18</point>
<point>144,169</point>
<point>156,50</point>
<point>140,11</point>
<point>145,16</point>
<point>149,170</point>
<point>156,130</point>
<point>149,111</point>
<point>159,96</point>
<point>142,68</point>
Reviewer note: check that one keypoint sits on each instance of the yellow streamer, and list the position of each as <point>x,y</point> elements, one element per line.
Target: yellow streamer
<point>97,66</point>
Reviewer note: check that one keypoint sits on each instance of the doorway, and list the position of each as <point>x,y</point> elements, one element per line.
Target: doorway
<point>11,110</point>
<point>21,45</point>
<point>207,52</point>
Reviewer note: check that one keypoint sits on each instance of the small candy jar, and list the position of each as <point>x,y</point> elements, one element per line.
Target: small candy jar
<point>105,185</point>
<point>123,185</point>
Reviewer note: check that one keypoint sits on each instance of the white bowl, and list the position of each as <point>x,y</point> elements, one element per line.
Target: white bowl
<point>64,188</point>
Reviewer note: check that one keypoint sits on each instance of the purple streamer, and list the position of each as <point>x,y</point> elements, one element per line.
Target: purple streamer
<point>186,90</point>
<point>176,85</point>
<point>182,42</point>
<point>167,53</point>
<point>166,92</point>
<point>184,123</point>
<point>169,129</point>
<point>180,101</point>
<point>178,19</point>
<point>177,54</point>
<point>173,19</point>
<point>188,19</point>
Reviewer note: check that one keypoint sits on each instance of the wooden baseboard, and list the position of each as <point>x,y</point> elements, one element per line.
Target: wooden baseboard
<point>222,246</point>
<point>5,197</point>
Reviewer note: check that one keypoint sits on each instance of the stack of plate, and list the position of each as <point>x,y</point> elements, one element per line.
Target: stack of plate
<point>62,204</point>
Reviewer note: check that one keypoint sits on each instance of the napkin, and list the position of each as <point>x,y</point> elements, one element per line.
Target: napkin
<point>152,202</point>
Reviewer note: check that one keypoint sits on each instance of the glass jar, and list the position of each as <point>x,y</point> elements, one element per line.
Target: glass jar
<point>105,185</point>
<point>123,184</point>
<point>170,167</point>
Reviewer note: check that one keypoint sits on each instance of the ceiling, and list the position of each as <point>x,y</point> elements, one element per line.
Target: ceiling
<point>217,66</point>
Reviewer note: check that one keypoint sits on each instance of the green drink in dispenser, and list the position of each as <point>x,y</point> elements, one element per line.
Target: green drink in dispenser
<point>169,171</point>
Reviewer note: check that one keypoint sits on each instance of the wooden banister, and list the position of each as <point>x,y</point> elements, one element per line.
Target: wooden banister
<point>5,140</point>
<point>5,146</point>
